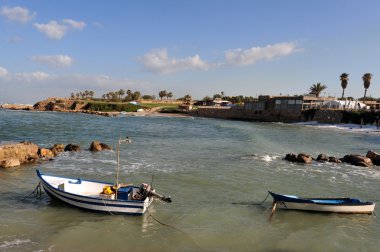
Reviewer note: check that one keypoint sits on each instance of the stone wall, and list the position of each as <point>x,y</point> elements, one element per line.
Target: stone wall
<point>328,116</point>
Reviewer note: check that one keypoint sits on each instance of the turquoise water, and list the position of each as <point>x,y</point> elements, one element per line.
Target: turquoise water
<point>207,166</point>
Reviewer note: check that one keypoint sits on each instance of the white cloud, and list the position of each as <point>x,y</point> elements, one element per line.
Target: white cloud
<point>52,30</point>
<point>252,55</point>
<point>54,60</point>
<point>79,25</point>
<point>57,30</point>
<point>3,72</point>
<point>33,76</point>
<point>158,61</point>
<point>17,14</point>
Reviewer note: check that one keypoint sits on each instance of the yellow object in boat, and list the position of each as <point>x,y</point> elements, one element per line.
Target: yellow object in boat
<point>108,190</point>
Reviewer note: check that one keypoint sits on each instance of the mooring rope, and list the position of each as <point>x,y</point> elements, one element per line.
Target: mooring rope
<point>179,230</point>
<point>37,192</point>
<point>255,204</point>
<point>106,207</point>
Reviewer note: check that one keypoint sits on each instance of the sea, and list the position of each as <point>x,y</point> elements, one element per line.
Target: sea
<point>216,171</point>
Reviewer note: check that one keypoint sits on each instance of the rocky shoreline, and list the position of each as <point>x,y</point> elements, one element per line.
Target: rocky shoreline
<point>16,154</point>
<point>370,159</point>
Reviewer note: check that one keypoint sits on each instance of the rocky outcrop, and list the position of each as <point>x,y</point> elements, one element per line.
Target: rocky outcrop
<point>374,156</point>
<point>98,146</point>
<point>300,158</point>
<point>322,158</point>
<point>72,147</point>
<point>18,153</point>
<point>291,157</point>
<point>57,148</point>
<point>45,153</point>
<point>358,160</point>
<point>304,158</point>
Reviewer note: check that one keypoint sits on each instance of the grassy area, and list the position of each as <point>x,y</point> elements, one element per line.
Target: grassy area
<point>112,106</point>
<point>164,105</point>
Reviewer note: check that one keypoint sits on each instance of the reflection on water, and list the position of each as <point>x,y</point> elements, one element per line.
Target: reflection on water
<point>206,165</point>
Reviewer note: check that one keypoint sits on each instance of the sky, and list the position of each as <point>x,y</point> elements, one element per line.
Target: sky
<point>51,48</point>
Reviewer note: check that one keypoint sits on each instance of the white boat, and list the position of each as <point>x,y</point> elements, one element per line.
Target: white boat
<point>334,205</point>
<point>101,196</point>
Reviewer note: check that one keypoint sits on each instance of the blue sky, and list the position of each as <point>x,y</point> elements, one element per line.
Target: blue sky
<point>52,48</point>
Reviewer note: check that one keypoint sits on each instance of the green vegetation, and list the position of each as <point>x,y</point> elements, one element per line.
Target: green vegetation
<point>366,82</point>
<point>316,89</point>
<point>112,106</point>
<point>343,82</point>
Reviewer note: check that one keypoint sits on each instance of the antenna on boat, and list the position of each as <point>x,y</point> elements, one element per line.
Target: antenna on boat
<point>127,141</point>
<point>151,182</point>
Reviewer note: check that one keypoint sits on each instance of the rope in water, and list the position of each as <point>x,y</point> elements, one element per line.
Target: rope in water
<point>179,230</point>
<point>255,204</point>
<point>37,192</point>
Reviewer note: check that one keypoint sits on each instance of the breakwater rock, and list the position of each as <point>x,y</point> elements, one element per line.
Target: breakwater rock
<point>372,158</point>
<point>98,146</point>
<point>18,153</point>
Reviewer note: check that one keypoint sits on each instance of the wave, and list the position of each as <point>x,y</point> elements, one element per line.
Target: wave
<point>354,128</point>
<point>260,157</point>
<point>14,243</point>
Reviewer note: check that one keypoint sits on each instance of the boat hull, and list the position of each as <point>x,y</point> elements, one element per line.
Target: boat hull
<point>349,209</point>
<point>330,205</point>
<point>97,204</point>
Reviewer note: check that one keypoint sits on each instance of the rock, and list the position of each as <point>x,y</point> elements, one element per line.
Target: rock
<point>304,158</point>
<point>105,146</point>
<point>10,163</point>
<point>322,158</point>
<point>24,152</point>
<point>375,157</point>
<point>291,157</point>
<point>72,147</point>
<point>98,146</point>
<point>334,160</point>
<point>45,153</point>
<point>95,146</point>
<point>358,160</point>
<point>57,148</point>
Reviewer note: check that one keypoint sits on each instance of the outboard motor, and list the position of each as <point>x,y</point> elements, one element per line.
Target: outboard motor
<point>146,191</point>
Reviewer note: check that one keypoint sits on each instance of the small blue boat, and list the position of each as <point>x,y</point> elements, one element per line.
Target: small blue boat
<point>332,205</point>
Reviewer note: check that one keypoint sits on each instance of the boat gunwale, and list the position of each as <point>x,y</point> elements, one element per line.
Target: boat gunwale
<point>300,200</point>
<point>39,174</point>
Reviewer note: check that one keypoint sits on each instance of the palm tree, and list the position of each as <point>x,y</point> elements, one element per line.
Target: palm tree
<point>187,99</point>
<point>162,94</point>
<point>367,82</point>
<point>343,82</point>
<point>169,95</point>
<point>316,89</point>
<point>121,92</point>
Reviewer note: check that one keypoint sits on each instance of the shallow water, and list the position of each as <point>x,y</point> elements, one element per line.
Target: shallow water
<point>215,170</point>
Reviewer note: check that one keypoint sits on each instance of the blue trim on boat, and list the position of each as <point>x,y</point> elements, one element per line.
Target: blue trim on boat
<point>104,201</point>
<point>39,174</point>
<point>318,201</point>
<point>91,210</point>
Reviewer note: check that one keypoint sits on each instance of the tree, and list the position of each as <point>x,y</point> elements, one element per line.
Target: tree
<point>316,89</point>
<point>136,96</point>
<point>343,82</point>
<point>162,94</point>
<point>187,99</point>
<point>72,96</point>
<point>91,94</point>
<point>169,95</point>
<point>121,92</point>
<point>366,82</point>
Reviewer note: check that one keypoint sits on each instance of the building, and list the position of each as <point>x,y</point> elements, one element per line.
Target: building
<point>281,108</point>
